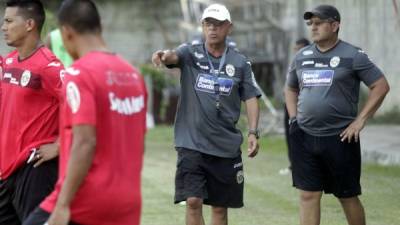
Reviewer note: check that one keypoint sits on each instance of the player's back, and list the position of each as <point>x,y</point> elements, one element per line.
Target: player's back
<point>103,90</point>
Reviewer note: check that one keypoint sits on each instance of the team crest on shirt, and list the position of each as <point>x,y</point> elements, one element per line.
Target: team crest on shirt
<point>239,177</point>
<point>334,61</point>
<point>230,70</point>
<point>25,78</point>
<point>73,96</point>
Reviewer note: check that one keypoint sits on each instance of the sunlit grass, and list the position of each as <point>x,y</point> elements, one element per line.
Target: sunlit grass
<point>269,197</point>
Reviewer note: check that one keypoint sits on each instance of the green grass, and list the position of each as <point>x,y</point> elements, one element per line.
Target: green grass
<point>269,197</point>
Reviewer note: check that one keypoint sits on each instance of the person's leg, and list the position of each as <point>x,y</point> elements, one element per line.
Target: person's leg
<point>194,211</point>
<point>310,207</point>
<point>33,185</point>
<point>344,161</point>
<point>190,185</point>
<point>225,183</point>
<point>353,210</point>
<point>8,215</point>
<point>307,174</point>
<point>219,215</point>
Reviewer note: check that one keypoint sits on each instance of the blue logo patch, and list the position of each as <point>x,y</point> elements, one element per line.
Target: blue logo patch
<point>315,78</point>
<point>206,83</point>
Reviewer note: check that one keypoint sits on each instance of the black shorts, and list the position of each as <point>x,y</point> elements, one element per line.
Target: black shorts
<point>325,163</point>
<point>39,217</point>
<point>24,190</point>
<point>218,181</point>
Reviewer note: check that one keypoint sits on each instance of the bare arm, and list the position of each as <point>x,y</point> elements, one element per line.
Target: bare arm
<point>291,98</point>
<point>165,57</point>
<point>253,112</point>
<point>378,91</point>
<point>81,157</point>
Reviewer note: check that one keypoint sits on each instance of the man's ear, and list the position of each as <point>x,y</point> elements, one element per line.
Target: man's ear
<point>30,24</point>
<point>230,28</point>
<point>336,26</point>
<point>67,32</point>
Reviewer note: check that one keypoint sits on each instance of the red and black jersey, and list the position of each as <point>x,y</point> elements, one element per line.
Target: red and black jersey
<point>29,106</point>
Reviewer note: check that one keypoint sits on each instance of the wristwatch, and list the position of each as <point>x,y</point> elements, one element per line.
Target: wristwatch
<point>292,120</point>
<point>255,132</point>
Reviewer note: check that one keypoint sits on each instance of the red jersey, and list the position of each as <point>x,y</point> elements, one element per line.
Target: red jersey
<point>29,106</point>
<point>104,91</point>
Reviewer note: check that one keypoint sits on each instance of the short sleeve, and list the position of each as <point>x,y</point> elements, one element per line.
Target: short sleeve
<point>80,97</point>
<point>183,53</point>
<point>51,78</point>
<point>291,76</point>
<point>248,87</point>
<point>366,70</point>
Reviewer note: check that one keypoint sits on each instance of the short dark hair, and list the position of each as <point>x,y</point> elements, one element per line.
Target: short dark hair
<point>302,41</point>
<point>30,9</point>
<point>81,15</point>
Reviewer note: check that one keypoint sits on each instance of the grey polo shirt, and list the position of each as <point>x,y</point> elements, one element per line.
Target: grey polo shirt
<point>329,86</point>
<point>198,124</point>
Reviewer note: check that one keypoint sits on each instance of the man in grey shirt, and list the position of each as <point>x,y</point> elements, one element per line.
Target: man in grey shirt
<point>215,78</point>
<point>322,93</point>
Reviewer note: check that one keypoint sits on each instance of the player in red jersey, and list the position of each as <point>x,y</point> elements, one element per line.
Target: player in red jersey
<point>30,91</point>
<point>103,124</point>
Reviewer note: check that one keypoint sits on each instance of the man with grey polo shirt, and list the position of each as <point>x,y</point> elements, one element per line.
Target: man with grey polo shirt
<point>215,79</point>
<point>322,94</point>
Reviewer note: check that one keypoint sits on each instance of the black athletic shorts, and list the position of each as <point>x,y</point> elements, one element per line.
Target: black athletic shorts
<point>218,181</point>
<point>325,163</point>
<point>39,217</point>
<point>24,190</point>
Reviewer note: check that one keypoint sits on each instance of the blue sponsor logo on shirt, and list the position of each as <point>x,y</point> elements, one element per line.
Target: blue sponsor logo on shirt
<point>206,83</point>
<point>313,78</point>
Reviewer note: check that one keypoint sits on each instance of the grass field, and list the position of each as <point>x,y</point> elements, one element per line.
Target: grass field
<point>269,197</point>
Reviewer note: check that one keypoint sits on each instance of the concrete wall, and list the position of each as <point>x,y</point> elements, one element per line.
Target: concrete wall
<point>131,30</point>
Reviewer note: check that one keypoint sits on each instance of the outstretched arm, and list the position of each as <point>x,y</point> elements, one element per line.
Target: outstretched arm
<point>165,57</point>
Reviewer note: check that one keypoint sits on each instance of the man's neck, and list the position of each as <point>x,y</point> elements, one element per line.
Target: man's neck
<point>29,47</point>
<point>327,44</point>
<point>216,50</point>
<point>89,43</point>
